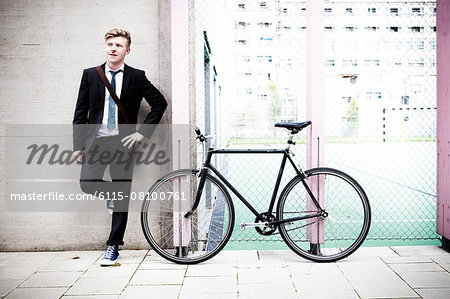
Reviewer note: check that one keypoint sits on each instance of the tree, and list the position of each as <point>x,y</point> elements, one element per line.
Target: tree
<point>352,110</point>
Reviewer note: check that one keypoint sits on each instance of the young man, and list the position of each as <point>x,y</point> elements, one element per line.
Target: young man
<point>107,132</point>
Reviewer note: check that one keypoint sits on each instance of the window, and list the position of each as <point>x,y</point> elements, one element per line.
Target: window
<point>433,28</point>
<point>373,94</point>
<point>265,41</point>
<point>416,29</point>
<point>372,62</point>
<point>328,10</point>
<point>329,62</point>
<point>433,44</point>
<point>262,97</point>
<point>393,29</point>
<point>265,24</point>
<point>328,28</point>
<point>372,28</point>
<point>417,62</point>
<point>372,10</point>
<point>349,28</point>
<point>393,10</point>
<point>241,6</point>
<point>417,10</point>
<point>264,58</point>
<point>349,10</point>
<point>416,45</point>
<point>405,100</point>
<point>242,25</point>
<point>349,62</point>
<point>241,42</point>
<point>285,10</point>
<point>433,61</point>
<point>263,4</point>
<point>242,58</point>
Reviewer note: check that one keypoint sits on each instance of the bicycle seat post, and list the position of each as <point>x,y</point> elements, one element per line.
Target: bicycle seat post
<point>290,140</point>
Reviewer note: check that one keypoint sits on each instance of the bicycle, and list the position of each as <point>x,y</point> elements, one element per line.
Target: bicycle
<point>322,214</point>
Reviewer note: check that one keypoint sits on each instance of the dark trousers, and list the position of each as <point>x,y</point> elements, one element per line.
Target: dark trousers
<point>109,151</point>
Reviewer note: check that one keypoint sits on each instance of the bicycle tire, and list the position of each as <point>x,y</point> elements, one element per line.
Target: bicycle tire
<point>203,234</point>
<point>331,238</point>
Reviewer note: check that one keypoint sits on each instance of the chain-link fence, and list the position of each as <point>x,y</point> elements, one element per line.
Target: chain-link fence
<point>248,71</point>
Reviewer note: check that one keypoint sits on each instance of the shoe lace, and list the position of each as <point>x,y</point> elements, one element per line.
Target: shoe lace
<point>110,250</point>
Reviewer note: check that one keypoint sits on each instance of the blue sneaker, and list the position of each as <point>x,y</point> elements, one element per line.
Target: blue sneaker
<point>111,256</point>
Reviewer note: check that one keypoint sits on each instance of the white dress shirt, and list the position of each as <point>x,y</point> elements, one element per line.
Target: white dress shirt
<point>104,131</point>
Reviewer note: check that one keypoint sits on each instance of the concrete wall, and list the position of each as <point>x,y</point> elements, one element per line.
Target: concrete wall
<point>44,47</point>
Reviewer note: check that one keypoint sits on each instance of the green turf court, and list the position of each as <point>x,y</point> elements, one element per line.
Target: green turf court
<point>398,177</point>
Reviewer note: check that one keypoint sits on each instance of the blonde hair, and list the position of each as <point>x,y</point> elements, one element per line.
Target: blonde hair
<point>119,32</point>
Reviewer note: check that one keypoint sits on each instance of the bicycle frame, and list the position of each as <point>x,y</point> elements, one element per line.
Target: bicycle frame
<point>208,166</point>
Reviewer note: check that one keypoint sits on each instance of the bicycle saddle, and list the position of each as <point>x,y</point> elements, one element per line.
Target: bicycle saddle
<point>294,126</point>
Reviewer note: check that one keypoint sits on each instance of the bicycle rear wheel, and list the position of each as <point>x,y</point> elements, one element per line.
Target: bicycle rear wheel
<point>330,238</point>
<point>193,239</point>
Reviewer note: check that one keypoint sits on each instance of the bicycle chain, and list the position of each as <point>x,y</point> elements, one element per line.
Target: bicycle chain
<point>288,230</point>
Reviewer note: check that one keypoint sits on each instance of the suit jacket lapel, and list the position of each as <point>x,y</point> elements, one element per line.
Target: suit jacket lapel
<point>101,87</point>
<point>126,79</point>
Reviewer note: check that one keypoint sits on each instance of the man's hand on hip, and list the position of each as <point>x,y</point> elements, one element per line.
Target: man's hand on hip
<point>78,156</point>
<point>132,140</point>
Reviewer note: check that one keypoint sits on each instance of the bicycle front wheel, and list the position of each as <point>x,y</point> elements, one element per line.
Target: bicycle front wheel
<point>334,235</point>
<point>193,239</point>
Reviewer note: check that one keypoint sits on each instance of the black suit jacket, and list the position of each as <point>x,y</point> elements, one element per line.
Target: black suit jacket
<point>91,103</point>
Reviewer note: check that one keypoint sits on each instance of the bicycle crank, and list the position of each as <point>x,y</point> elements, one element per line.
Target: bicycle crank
<point>267,229</point>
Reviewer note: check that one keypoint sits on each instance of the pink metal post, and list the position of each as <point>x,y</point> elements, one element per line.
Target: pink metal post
<point>315,104</point>
<point>443,120</point>
<point>180,114</point>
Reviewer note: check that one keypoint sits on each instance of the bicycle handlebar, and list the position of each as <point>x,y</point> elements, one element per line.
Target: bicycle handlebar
<point>202,138</point>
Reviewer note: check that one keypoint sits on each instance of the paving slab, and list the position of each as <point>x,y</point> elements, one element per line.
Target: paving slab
<point>397,272</point>
<point>323,282</point>
<point>18,272</point>
<point>211,270</point>
<point>208,296</point>
<point>132,256</point>
<point>267,290</point>
<point>373,252</point>
<point>434,293</point>
<point>122,270</point>
<point>160,265</point>
<point>158,277</point>
<point>209,285</point>
<point>33,293</point>
<point>419,251</point>
<point>51,279</point>
<point>406,259</point>
<point>368,273</point>
<point>441,259</point>
<point>446,267</point>
<point>72,261</point>
<point>259,275</point>
<point>91,297</point>
<point>144,292</point>
<point>98,286</point>
<point>326,294</point>
<point>419,267</point>
<point>394,288</point>
<point>427,279</point>
<point>7,285</point>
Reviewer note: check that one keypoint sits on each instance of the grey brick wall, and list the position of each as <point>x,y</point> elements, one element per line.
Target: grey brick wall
<point>44,46</point>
